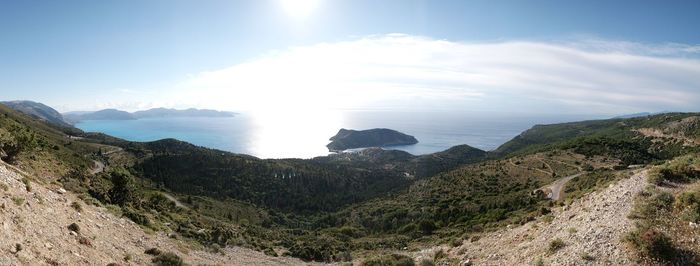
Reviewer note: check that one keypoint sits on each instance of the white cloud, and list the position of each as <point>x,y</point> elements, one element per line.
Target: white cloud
<point>402,71</point>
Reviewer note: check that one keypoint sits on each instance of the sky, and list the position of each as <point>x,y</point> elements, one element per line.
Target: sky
<point>540,56</point>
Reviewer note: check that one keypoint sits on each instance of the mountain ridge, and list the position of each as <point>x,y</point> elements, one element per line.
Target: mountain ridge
<point>115,114</point>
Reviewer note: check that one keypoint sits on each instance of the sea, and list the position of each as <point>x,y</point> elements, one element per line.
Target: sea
<point>305,135</point>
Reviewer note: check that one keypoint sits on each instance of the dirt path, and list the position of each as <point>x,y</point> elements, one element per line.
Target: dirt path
<point>528,168</point>
<point>98,168</point>
<point>591,227</point>
<point>117,149</point>
<point>557,187</point>
<point>177,202</point>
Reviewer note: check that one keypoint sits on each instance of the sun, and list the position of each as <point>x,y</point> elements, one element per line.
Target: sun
<point>299,8</point>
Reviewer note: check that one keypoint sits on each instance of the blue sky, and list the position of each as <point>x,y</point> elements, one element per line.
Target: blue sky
<point>138,54</point>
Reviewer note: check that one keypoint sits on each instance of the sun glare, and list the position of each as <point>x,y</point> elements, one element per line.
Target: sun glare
<point>299,8</point>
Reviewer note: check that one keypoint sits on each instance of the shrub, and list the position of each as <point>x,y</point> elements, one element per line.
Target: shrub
<point>689,205</point>
<point>136,216</point>
<point>652,243</point>
<point>18,201</point>
<point>653,205</point>
<point>85,241</point>
<point>456,242</point>
<point>389,260</point>
<point>409,228</point>
<point>27,184</point>
<point>427,227</point>
<point>167,259</point>
<point>153,251</point>
<point>587,257</point>
<point>439,255</point>
<point>74,227</point>
<point>75,205</point>
<point>555,245</point>
<point>426,262</point>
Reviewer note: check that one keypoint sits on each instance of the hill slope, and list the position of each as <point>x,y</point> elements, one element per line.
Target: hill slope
<point>37,222</point>
<point>38,110</point>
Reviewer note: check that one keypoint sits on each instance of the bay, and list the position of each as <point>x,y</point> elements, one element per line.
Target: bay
<point>304,135</point>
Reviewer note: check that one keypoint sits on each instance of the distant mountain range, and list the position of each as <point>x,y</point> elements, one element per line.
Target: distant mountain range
<point>114,114</point>
<point>50,115</point>
<point>642,114</point>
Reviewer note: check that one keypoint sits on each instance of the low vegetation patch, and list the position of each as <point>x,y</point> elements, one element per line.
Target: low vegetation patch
<point>74,227</point>
<point>153,251</point>
<point>555,245</point>
<point>389,260</point>
<point>18,201</point>
<point>663,214</point>
<point>168,259</point>
<point>27,184</point>
<point>75,205</point>
<point>652,243</point>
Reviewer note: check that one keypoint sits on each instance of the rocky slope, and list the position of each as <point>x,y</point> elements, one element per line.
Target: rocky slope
<point>35,231</point>
<point>590,229</point>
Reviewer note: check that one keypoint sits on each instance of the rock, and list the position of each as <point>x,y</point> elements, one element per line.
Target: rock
<point>693,225</point>
<point>48,245</point>
<point>466,263</point>
<point>73,233</point>
<point>61,191</point>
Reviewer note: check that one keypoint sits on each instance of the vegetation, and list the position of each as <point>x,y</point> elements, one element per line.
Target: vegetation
<point>389,260</point>
<point>555,245</point>
<point>586,183</point>
<point>328,208</point>
<point>657,235</point>
<point>74,227</point>
<point>168,259</point>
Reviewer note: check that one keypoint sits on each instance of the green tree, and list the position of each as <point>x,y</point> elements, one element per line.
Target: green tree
<point>124,191</point>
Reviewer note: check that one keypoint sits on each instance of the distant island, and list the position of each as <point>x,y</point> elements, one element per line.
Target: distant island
<point>114,114</point>
<point>378,137</point>
<point>48,114</point>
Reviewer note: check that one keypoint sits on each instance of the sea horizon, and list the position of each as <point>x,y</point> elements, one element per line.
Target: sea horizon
<point>275,137</point>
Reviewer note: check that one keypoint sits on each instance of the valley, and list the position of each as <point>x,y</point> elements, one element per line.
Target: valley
<point>214,207</point>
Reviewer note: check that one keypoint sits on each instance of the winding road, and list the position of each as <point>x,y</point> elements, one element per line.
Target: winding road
<point>558,186</point>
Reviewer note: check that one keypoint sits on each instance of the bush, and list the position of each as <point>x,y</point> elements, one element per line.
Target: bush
<point>168,259</point>
<point>427,227</point>
<point>85,241</point>
<point>153,251</point>
<point>426,262</point>
<point>74,227</point>
<point>689,205</point>
<point>652,243</point>
<point>136,216</point>
<point>75,205</point>
<point>555,245</point>
<point>389,260</point>
<point>653,204</point>
<point>27,184</point>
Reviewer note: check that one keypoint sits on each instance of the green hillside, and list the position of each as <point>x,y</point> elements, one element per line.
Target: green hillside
<point>334,207</point>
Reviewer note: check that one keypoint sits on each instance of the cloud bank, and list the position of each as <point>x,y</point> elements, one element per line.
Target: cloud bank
<point>409,72</point>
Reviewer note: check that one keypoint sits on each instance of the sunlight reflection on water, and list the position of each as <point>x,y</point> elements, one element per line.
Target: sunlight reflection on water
<point>293,134</point>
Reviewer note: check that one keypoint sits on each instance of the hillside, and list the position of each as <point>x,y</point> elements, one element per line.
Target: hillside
<point>347,206</point>
<point>38,110</point>
<point>36,221</point>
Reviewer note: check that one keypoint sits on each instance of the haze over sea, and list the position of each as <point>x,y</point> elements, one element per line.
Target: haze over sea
<point>305,135</point>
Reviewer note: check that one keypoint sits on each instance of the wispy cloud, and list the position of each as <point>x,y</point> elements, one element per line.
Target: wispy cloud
<point>402,71</point>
